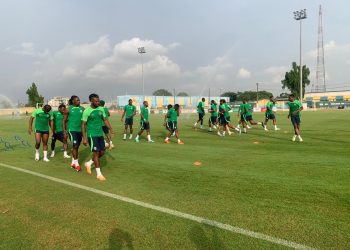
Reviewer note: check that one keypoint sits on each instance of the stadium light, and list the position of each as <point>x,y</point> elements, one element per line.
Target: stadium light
<point>142,51</point>
<point>299,16</point>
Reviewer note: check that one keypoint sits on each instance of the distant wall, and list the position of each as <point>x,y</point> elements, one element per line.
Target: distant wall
<point>15,111</point>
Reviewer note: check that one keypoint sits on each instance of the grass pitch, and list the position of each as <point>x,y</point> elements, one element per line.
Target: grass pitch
<point>260,181</point>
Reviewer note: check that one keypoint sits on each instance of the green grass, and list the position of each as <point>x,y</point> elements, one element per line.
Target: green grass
<point>295,191</point>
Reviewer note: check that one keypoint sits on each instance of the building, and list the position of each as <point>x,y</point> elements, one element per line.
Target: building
<point>158,102</point>
<point>57,100</point>
<point>332,99</point>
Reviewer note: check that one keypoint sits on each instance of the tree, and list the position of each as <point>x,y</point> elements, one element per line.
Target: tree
<point>232,95</point>
<point>251,95</point>
<point>162,92</point>
<point>33,96</point>
<point>284,95</point>
<point>291,79</point>
<point>182,94</point>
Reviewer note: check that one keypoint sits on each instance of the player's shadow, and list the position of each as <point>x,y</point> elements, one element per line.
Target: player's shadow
<point>205,238</point>
<point>119,239</point>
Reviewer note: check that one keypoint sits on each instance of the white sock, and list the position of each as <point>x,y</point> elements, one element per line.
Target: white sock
<point>195,124</point>
<point>167,138</point>
<point>137,137</point>
<point>98,171</point>
<point>110,142</point>
<point>90,162</point>
<point>223,133</point>
<point>130,136</point>
<point>65,153</point>
<point>76,162</point>
<point>73,161</point>
<point>259,123</point>
<point>299,137</point>
<point>275,126</point>
<point>124,136</point>
<point>178,140</point>
<point>149,137</point>
<point>245,130</point>
<point>45,154</point>
<point>37,151</point>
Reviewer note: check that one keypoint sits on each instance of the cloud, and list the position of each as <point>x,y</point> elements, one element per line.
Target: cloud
<point>126,63</point>
<point>331,49</point>
<point>25,48</point>
<point>243,73</point>
<point>275,74</point>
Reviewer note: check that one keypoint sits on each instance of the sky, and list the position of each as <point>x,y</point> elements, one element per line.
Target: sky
<point>87,46</point>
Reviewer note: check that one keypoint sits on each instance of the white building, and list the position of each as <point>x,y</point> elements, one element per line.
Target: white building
<point>57,100</point>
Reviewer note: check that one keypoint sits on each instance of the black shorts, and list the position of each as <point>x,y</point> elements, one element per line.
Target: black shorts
<point>245,118</point>
<point>41,132</point>
<point>270,116</point>
<point>75,138</point>
<point>144,125</point>
<point>129,121</point>
<point>295,120</point>
<point>200,116</point>
<point>58,136</point>
<point>222,120</point>
<point>105,129</point>
<point>171,126</point>
<point>213,119</point>
<point>97,144</point>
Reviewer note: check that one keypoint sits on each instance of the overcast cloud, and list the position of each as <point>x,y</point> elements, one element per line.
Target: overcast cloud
<point>79,47</point>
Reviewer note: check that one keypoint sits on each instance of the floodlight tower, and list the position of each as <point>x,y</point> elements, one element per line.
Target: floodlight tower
<point>320,69</point>
<point>299,16</point>
<point>142,51</point>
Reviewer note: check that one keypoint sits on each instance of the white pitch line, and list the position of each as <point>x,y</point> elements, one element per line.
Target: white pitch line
<point>191,217</point>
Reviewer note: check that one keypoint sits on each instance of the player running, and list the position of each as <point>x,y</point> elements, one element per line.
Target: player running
<point>93,133</point>
<point>43,120</point>
<point>295,107</point>
<point>170,122</point>
<point>228,119</point>
<point>246,116</point>
<point>57,132</point>
<point>72,126</point>
<point>213,120</point>
<point>144,123</point>
<point>129,113</point>
<point>270,114</point>
<point>105,128</point>
<point>201,113</point>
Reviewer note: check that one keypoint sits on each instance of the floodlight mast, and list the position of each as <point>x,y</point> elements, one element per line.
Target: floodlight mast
<point>142,51</point>
<point>299,16</point>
